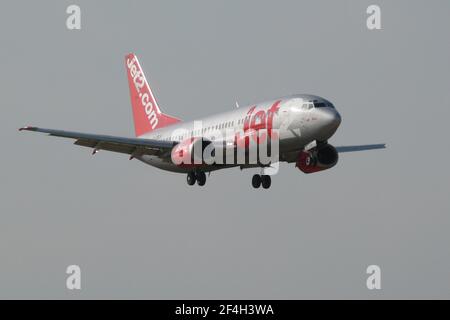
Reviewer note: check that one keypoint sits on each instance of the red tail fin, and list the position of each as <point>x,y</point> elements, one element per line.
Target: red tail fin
<point>146,113</point>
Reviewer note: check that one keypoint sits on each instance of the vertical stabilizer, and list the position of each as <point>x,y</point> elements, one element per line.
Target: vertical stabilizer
<point>146,113</point>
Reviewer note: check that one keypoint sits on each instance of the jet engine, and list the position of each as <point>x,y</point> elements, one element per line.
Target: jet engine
<point>319,158</point>
<point>189,153</point>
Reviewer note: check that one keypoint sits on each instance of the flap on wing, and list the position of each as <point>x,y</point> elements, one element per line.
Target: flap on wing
<point>116,147</point>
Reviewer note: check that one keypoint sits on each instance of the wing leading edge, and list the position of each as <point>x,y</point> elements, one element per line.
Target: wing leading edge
<point>132,146</point>
<point>360,147</point>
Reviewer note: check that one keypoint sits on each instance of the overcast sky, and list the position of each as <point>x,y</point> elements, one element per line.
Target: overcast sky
<point>139,232</point>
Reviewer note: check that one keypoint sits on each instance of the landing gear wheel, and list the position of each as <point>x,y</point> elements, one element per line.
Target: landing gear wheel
<point>201,178</point>
<point>256,181</point>
<point>190,178</point>
<point>266,181</point>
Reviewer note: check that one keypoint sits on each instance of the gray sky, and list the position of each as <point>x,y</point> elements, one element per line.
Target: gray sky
<point>138,232</point>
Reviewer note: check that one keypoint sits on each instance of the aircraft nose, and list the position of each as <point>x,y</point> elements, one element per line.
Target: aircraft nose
<point>331,119</point>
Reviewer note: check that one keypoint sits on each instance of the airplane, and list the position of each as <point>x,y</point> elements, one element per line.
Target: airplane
<point>301,124</point>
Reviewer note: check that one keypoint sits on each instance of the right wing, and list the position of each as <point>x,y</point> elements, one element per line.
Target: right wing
<point>132,146</point>
<point>360,147</point>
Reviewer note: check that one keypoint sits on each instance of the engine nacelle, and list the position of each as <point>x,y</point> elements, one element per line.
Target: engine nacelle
<point>318,158</point>
<point>189,153</point>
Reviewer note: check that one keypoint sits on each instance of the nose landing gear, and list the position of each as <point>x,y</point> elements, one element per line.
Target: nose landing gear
<point>256,181</point>
<point>263,180</point>
<point>199,176</point>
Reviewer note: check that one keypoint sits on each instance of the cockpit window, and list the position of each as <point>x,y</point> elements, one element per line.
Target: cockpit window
<point>318,104</point>
<point>307,105</point>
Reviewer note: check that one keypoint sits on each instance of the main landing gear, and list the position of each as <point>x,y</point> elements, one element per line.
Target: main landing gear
<point>261,180</point>
<point>258,180</point>
<point>199,176</point>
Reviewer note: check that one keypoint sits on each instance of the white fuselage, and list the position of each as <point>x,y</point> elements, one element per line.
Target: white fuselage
<point>299,120</point>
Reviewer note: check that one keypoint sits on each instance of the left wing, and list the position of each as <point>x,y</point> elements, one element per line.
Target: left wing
<point>360,147</point>
<point>132,146</point>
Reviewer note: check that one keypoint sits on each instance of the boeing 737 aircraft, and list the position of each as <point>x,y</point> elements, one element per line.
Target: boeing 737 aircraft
<point>300,124</point>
